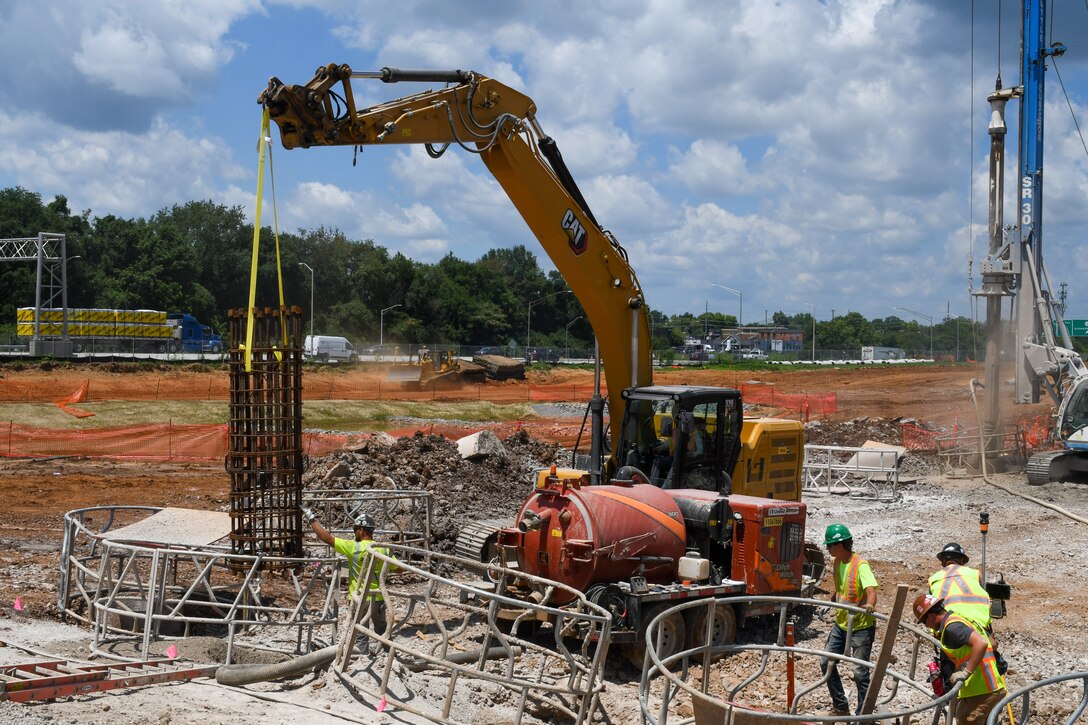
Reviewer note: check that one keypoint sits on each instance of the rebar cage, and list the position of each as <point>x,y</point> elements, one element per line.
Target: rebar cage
<point>264,455</point>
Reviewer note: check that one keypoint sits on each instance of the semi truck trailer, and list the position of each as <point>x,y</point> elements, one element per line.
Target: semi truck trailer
<point>105,330</point>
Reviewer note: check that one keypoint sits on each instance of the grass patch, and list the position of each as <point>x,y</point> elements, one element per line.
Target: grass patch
<point>328,414</point>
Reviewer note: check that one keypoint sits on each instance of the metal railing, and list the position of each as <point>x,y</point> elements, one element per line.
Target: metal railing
<point>775,679</point>
<point>858,472</point>
<point>497,644</point>
<point>132,594</point>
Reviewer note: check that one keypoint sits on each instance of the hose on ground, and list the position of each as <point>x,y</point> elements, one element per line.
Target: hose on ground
<point>248,674</point>
<point>986,476</point>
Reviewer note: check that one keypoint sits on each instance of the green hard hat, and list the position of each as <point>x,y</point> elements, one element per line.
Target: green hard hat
<point>836,533</point>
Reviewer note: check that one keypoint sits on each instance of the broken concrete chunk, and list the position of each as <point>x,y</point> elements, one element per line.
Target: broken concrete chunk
<point>481,444</point>
<point>340,470</point>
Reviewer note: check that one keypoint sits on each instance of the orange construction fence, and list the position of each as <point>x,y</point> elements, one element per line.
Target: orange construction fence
<point>12,391</point>
<point>804,403</point>
<point>173,442</point>
<point>154,441</point>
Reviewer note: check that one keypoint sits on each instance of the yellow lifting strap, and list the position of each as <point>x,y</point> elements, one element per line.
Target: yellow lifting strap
<point>264,142</point>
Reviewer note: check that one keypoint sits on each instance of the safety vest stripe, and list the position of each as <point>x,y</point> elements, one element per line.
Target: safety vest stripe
<point>852,570</point>
<point>988,665</point>
<point>964,593</point>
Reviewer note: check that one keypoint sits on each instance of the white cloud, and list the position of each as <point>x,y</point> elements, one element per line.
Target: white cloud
<point>114,172</point>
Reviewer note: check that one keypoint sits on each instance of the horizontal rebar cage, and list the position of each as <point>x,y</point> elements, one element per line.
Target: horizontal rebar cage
<point>264,455</point>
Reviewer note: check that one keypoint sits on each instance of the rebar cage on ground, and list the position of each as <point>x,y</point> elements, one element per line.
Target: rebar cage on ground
<point>858,472</point>
<point>264,457</point>
<point>681,688</point>
<point>459,628</point>
<point>134,594</point>
<point>1076,704</point>
<point>958,451</point>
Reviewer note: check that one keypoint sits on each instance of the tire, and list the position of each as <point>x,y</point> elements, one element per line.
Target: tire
<point>673,636</point>
<point>723,627</point>
<point>160,347</point>
<point>175,346</point>
<point>216,348</point>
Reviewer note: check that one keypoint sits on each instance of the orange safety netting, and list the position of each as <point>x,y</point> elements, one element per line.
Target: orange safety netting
<point>77,397</point>
<point>917,438</point>
<point>171,442</point>
<point>804,403</point>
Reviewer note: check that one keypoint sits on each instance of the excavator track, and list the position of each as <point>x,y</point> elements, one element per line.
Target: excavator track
<point>1061,465</point>
<point>476,540</point>
<point>1038,468</point>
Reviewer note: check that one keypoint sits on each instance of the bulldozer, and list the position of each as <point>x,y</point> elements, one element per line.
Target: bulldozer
<point>435,368</point>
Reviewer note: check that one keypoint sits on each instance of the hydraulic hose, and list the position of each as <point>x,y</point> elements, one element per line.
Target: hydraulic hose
<point>248,674</point>
<point>986,476</point>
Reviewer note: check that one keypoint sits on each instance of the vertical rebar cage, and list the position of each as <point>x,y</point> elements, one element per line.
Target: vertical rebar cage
<point>264,455</point>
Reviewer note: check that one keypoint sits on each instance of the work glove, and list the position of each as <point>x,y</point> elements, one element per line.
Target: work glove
<point>869,608</point>
<point>957,677</point>
<point>307,515</point>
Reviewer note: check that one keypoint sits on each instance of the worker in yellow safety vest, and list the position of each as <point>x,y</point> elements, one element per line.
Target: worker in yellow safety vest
<point>854,585</point>
<point>971,650</point>
<point>959,586</point>
<point>355,550</point>
<point>961,589</point>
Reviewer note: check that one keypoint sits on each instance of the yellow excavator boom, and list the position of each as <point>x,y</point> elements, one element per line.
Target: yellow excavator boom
<point>488,118</point>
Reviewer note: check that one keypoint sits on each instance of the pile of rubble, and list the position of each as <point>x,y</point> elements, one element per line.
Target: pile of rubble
<point>855,433</point>
<point>491,482</point>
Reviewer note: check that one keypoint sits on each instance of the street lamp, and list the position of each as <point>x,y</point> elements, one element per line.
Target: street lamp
<point>737,292</point>
<point>303,264</point>
<point>381,330</point>
<point>529,318</point>
<point>813,330</point>
<point>928,319</point>
<point>566,349</point>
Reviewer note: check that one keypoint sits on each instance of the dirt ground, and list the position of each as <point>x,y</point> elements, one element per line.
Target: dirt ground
<point>1038,550</point>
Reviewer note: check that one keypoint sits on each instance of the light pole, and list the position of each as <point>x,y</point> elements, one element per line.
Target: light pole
<point>303,264</point>
<point>813,330</point>
<point>381,330</point>
<point>529,319</point>
<point>740,296</point>
<point>566,348</point>
<point>928,319</point>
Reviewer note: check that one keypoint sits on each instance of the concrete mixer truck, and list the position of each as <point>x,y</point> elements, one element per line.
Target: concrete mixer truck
<point>684,498</point>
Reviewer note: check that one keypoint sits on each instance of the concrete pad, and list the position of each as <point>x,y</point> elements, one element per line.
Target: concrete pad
<point>184,527</point>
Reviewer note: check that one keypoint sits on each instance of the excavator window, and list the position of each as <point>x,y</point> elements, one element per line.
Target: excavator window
<point>1076,413</point>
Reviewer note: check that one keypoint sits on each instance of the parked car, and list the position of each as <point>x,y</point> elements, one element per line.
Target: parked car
<point>492,350</point>
<point>753,355</point>
<point>702,355</point>
<point>543,355</point>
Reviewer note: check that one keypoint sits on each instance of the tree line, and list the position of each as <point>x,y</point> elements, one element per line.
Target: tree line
<point>195,258</point>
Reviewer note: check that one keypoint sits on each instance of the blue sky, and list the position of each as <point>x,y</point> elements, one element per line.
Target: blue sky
<point>805,153</point>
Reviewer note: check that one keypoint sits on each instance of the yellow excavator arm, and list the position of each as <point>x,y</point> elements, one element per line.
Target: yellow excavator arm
<point>487,118</point>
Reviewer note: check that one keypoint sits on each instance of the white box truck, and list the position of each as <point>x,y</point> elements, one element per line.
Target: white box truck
<point>329,348</point>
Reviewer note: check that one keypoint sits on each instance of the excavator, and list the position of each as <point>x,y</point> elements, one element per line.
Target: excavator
<point>690,444</point>
<point>650,427</point>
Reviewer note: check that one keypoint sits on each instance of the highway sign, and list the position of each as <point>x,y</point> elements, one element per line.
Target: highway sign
<point>1076,328</point>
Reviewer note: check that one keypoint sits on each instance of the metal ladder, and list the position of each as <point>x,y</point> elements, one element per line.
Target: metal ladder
<point>58,678</point>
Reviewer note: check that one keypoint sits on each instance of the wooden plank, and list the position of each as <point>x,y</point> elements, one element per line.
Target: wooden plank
<point>886,645</point>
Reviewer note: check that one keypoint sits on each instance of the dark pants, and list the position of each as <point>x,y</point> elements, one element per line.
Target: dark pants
<point>861,646</point>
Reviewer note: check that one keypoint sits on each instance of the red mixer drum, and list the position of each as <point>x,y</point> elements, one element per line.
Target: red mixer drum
<point>581,535</point>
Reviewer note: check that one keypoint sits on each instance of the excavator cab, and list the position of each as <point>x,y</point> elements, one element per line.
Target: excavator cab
<point>1073,417</point>
<point>682,437</point>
